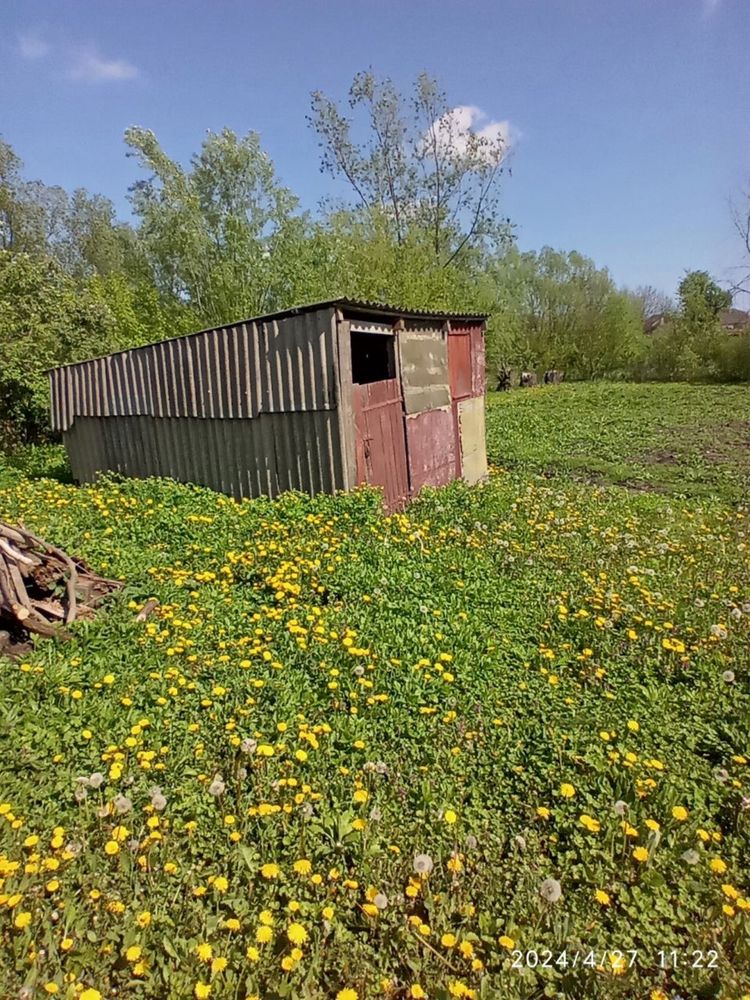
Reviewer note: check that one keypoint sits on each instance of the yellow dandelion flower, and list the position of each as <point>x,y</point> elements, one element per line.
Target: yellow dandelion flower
<point>591,824</point>
<point>296,933</point>
<point>263,934</point>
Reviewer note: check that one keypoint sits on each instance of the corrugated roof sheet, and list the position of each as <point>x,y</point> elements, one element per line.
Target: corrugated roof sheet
<point>281,365</point>
<point>355,305</point>
<point>382,307</point>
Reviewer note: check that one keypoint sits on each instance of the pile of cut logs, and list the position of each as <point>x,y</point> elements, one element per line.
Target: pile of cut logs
<point>42,588</point>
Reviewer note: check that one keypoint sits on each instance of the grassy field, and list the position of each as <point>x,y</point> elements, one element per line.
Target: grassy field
<point>496,746</point>
<point>675,438</point>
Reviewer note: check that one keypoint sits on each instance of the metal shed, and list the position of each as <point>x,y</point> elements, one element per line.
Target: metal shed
<point>317,398</point>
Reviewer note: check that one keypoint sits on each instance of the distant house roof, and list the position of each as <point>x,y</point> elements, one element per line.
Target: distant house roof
<point>730,319</point>
<point>734,319</point>
<point>652,323</point>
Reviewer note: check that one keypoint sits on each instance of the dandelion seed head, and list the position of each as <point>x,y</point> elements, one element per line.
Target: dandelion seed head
<point>423,864</point>
<point>551,890</point>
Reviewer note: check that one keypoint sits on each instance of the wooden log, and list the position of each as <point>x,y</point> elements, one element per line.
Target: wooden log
<point>29,568</point>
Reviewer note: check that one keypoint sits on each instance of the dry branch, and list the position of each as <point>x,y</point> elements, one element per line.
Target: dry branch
<point>42,586</point>
<point>147,610</point>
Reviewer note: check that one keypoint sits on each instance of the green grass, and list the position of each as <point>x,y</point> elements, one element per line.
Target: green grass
<point>680,439</point>
<point>41,461</point>
<point>370,689</point>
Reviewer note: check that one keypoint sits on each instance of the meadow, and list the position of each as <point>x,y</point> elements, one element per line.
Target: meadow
<point>497,745</point>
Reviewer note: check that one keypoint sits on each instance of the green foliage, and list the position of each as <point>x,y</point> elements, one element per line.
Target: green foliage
<point>46,318</point>
<point>35,461</point>
<point>527,680</point>
<point>222,236</point>
<point>701,299</point>
<point>79,230</point>
<point>357,258</point>
<point>691,345</point>
<point>557,310</point>
<point>419,168</point>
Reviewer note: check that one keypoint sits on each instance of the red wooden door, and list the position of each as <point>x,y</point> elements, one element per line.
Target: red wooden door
<point>380,440</point>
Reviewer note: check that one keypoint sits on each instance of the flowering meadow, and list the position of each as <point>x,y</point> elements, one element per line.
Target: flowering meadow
<point>496,746</point>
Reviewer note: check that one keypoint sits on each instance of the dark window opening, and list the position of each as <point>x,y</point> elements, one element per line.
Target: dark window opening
<point>373,357</point>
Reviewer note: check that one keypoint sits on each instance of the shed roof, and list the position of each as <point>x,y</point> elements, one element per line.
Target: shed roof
<point>361,306</point>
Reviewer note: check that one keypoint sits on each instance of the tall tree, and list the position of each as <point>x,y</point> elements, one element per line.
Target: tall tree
<point>741,220</point>
<point>222,234</point>
<point>419,165</point>
<point>46,318</point>
<point>558,310</point>
<point>80,229</point>
<point>701,299</point>
<point>650,301</point>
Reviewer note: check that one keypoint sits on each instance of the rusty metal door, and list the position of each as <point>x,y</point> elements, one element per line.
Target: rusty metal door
<point>380,440</point>
<point>459,374</point>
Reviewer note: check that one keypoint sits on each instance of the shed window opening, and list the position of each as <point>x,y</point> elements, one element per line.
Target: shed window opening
<point>373,357</point>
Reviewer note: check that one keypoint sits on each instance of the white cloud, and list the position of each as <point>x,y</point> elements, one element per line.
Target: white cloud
<point>88,65</point>
<point>456,129</point>
<point>711,6</point>
<point>33,46</point>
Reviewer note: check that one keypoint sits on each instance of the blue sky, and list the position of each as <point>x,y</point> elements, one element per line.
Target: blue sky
<point>631,117</point>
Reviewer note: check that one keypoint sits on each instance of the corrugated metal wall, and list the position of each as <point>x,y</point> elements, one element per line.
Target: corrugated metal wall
<point>247,409</point>
<point>266,405</point>
<point>277,366</point>
<point>268,455</point>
